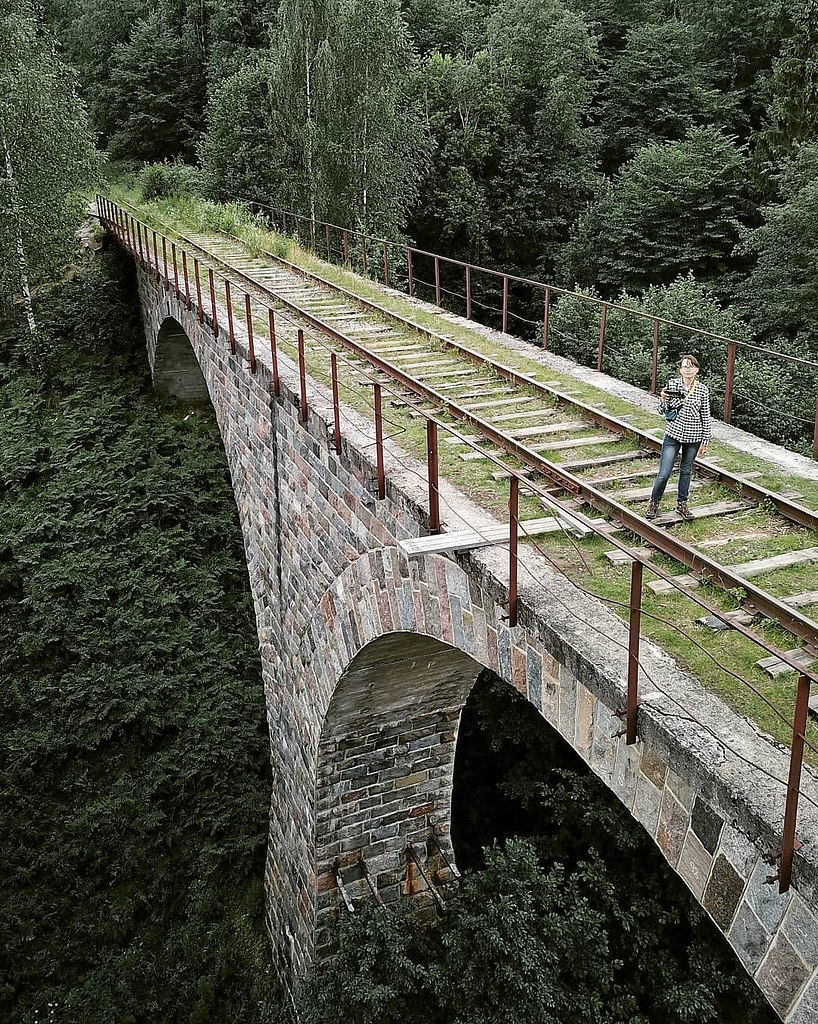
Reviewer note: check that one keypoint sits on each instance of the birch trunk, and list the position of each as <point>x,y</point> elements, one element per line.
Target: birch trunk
<point>20,250</point>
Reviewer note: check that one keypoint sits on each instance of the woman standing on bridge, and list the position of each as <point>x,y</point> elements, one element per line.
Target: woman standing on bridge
<point>685,404</point>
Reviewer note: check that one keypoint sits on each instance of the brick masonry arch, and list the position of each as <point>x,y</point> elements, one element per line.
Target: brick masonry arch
<point>332,588</point>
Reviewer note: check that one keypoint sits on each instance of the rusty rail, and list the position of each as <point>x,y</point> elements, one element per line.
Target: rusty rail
<point>126,235</point>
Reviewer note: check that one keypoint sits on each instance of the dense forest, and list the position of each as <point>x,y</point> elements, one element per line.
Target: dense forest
<point>663,153</point>
<point>135,761</point>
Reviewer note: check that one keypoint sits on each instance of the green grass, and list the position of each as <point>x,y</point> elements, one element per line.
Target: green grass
<point>670,620</point>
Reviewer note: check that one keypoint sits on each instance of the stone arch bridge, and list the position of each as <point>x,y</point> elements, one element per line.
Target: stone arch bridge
<point>368,656</point>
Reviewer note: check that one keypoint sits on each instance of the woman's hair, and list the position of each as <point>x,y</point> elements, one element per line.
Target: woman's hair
<point>691,359</point>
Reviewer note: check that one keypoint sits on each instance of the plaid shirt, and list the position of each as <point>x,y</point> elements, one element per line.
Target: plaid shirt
<point>693,422</point>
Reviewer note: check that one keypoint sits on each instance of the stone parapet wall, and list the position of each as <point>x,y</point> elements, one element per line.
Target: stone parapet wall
<point>367,658</point>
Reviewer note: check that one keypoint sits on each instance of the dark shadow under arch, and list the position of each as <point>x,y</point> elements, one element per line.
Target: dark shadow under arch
<point>176,371</point>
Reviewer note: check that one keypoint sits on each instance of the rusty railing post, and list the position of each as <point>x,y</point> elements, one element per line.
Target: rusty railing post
<point>251,348</point>
<point>365,254</point>
<point>654,358</point>
<point>346,246</point>
<point>603,319</point>
<point>302,377</point>
<point>432,468</point>
<point>271,319</point>
<point>156,269</point>
<point>728,383</point>
<point>336,405</point>
<point>385,265</point>
<point>198,290</point>
<point>513,527</point>
<point>799,728</point>
<point>379,442</point>
<point>437,280</point>
<point>175,270</point>
<point>468,291</point>
<point>165,259</point>
<point>815,431</point>
<point>187,282</point>
<point>505,303</point>
<point>229,303</point>
<point>545,318</point>
<point>329,247</point>
<point>633,651</point>
<point>411,279</point>
<point>212,283</point>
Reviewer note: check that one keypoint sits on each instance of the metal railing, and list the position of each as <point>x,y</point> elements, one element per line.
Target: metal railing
<point>143,243</point>
<point>381,258</point>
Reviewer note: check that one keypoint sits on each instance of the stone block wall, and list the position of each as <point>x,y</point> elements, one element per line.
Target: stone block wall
<point>367,658</point>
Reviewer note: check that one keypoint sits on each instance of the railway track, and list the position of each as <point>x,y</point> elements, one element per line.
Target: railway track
<point>585,456</point>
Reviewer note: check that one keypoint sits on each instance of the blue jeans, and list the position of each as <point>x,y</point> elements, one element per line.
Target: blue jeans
<point>670,449</point>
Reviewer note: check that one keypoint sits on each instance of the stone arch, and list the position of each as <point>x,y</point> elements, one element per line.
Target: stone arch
<point>385,770</point>
<point>384,606</point>
<point>176,370</point>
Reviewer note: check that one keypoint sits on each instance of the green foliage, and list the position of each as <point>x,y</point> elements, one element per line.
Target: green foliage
<point>792,105</point>
<point>242,151</point>
<point>158,181</point>
<point>135,767</point>
<point>661,85</point>
<point>46,154</point>
<point>514,156</point>
<point>162,67</point>
<point>628,352</point>
<point>781,291</point>
<point>634,235</point>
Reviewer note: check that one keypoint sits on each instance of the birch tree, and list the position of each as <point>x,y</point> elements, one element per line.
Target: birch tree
<point>46,155</point>
<point>377,149</point>
<point>301,89</point>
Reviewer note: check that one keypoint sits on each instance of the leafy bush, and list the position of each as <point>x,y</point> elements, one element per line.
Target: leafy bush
<point>134,791</point>
<point>158,181</point>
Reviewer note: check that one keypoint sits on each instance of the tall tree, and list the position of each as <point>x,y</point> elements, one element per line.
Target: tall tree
<point>374,145</point>
<point>661,85</point>
<point>792,107</point>
<point>301,90</point>
<point>780,296</point>
<point>675,208</point>
<point>547,62</point>
<point>46,154</point>
<point>158,85</point>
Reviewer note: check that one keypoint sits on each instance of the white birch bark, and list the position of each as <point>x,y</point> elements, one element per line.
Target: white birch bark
<point>22,264</point>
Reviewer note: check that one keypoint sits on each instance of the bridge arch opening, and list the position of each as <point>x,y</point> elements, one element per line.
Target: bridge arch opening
<point>176,370</point>
<point>384,778</point>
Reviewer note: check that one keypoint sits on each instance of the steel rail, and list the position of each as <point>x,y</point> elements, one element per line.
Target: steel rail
<point>790,618</point>
<point>543,285</point>
<point>789,509</point>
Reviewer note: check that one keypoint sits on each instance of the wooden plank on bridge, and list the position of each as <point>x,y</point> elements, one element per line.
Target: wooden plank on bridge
<point>774,666</point>
<point>445,543</point>
<point>548,446</point>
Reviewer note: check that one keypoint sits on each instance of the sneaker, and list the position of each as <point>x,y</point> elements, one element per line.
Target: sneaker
<point>684,510</point>
<point>653,510</point>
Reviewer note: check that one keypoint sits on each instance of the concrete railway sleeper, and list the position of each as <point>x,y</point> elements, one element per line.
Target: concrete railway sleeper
<point>407,348</point>
<point>559,478</point>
